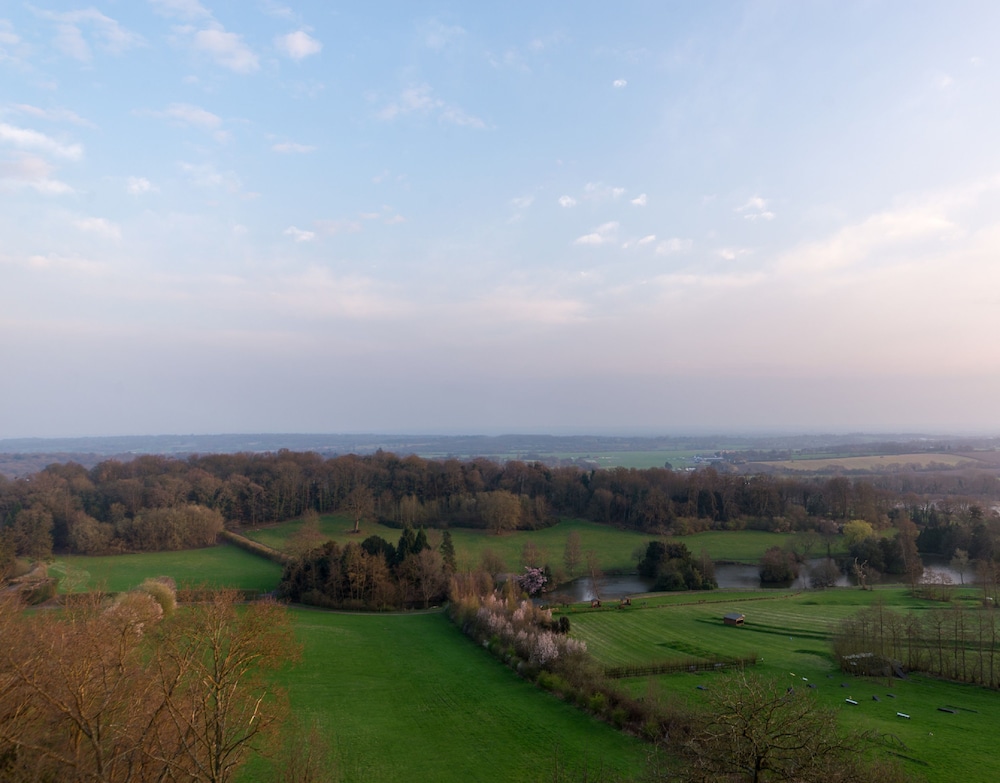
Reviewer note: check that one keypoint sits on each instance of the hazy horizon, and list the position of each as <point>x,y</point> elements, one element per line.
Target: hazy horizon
<point>435,218</point>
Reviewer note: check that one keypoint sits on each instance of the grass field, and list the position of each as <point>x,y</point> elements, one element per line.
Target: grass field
<point>873,464</point>
<point>218,566</point>
<point>409,698</point>
<point>790,633</point>
<point>616,549</point>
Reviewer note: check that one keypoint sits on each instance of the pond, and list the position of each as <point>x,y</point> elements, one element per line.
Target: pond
<point>732,576</point>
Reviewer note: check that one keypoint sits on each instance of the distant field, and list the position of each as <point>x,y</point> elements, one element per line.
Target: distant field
<point>409,698</point>
<point>873,463</point>
<point>790,633</point>
<point>636,459</point>
<point>218,566</point>
<point>616,548</point>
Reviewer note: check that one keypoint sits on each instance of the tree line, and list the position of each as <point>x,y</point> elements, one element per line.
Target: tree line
<point>155,502</point>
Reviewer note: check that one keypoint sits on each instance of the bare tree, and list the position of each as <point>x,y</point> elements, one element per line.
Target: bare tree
<point>758,730</point>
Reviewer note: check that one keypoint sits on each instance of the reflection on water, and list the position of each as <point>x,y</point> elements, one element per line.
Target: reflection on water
<point>732,576</point>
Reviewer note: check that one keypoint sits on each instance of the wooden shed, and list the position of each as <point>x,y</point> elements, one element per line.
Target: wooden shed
<point>734,618</point>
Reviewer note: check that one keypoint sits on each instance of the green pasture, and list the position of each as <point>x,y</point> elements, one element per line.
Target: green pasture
<point>617,550</point>
<point>790,635</point>
<point>409,698</point>
<point>218,566</point>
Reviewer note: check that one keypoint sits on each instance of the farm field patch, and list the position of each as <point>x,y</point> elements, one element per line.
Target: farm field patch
<point>408,697</point>
<point>218,566</point>
<point>875,463</point>
<point>790,635</point>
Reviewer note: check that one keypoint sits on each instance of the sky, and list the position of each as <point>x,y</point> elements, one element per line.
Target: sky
<point>228,216</point>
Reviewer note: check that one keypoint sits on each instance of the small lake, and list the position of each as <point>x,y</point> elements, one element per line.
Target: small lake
<point>732,576</point>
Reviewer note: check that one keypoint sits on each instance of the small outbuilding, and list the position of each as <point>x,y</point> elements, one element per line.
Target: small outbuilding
<point>734,618</point>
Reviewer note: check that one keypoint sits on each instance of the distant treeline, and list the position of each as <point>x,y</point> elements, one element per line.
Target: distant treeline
<point>156,502</point>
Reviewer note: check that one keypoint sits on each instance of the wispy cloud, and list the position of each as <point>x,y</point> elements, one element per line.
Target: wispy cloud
<point>31,171</point>
<point>101,227</point>
<point>227,49</point>
<point>136,186</point>
<point>437,36</point>
<point>598,191</point>
<point>619,84</point>
<point>291,147</point>
<point>567,201</point>
<point>193,116</point>
<point>299,235</point>
<point>298,45</point>
<point>205,175</point>
<point>333,227</point>
<point>640,201</point>
<point>672,246</point>
<point>522,202</point>
<point>421,100</point>
<point>181,9</point>
<point>106,33</point>
<point>877,235</point>
<point>756,209</point>
<point>31,140</point>
<point>604,234</point>
<point>54,115</point>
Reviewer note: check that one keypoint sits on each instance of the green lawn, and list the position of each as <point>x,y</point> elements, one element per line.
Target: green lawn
<point>218,566</point>
<point>409,698</point>
<point>790,632</point>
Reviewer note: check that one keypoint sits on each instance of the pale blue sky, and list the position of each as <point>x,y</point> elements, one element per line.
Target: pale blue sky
<point>256,216</point>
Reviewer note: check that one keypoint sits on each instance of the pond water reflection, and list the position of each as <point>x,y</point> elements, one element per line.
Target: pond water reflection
<point>732,576</point>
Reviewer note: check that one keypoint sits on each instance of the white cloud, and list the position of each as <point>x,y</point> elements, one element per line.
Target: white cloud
<point>756,209</point>
<point>180,9</point>
<point>567,201</point>
<point>227,49</point>
<point>287,147</point>
<point>522,202</point>
<point>27,139</point>
<point>136,186</point>
<point>108,34</point>
<point>56,115</point>
<point>731,253</point>
<point>602,235</point>
<point>420,100</point>
<point>99,226</point>
<point>619,84</point>
<point>640,201</point>
<point>669,247</point>
<point>646,240</point>
<point>33,172</point>
<point>299,235</point>
<point>298,45</point>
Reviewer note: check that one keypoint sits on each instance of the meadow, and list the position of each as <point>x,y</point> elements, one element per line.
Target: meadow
<point>790,635</point>
<point>217,566</point>
<point>617,550</point>
<point>408,697</point>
